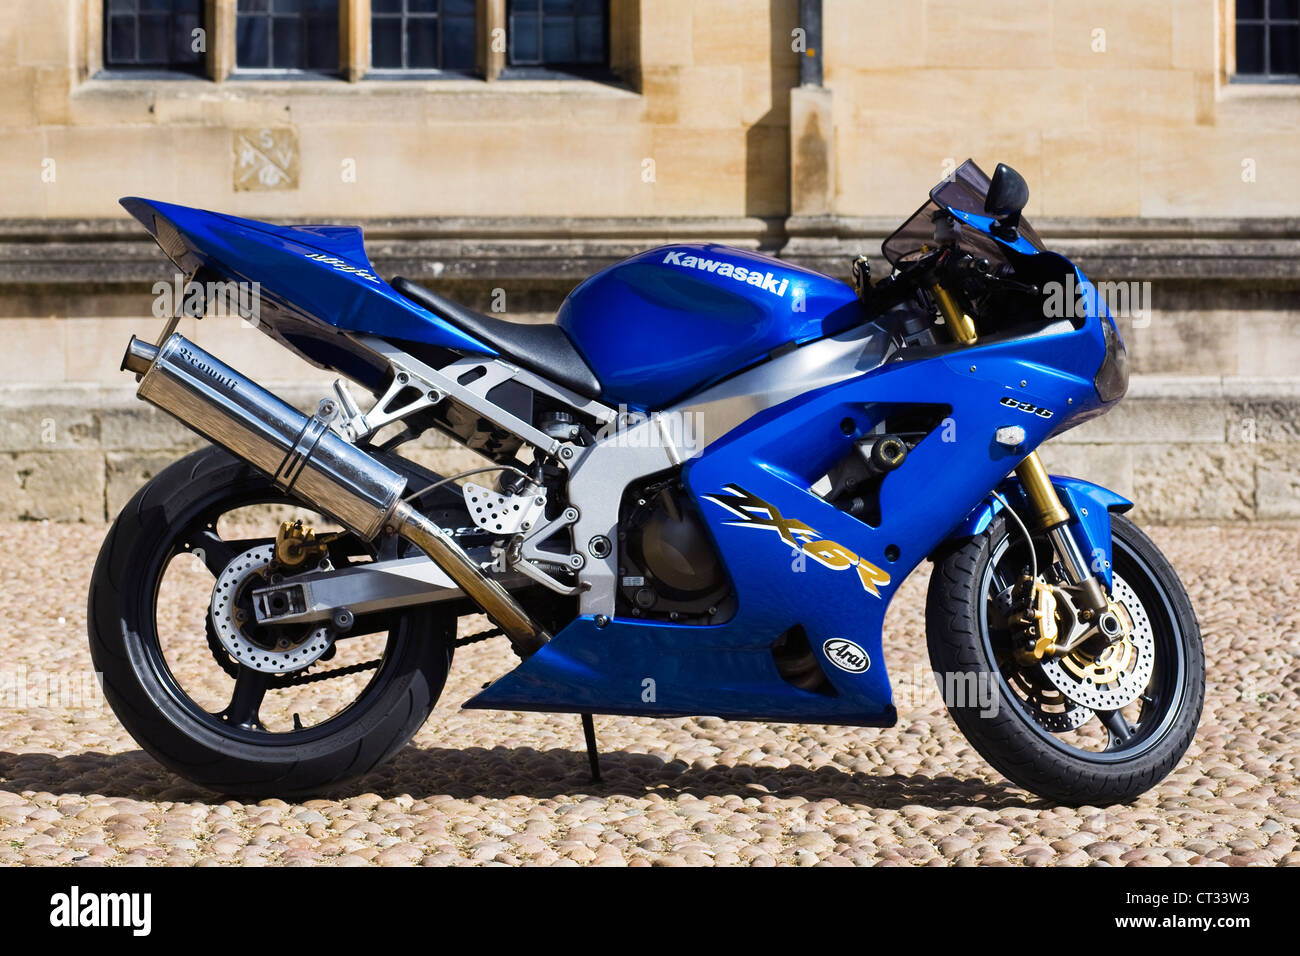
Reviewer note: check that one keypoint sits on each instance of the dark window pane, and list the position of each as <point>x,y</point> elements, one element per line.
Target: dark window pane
<point>286,44</point>
<point>1250,9</point>
<point>422,43</point>
<point>421,6</point>
<point>559,8</point>
<point>386,44</point>
<point>121,6</point>
<point>458,43</point>
<point>558,41</point>
<point>286,6</point>
<point>183,39</point>
<point>121,39</point>
<point>323,44</point>
<point>591,40</point>
<point>252,42</point>
<point>524,41</point>
<point>385,6</point>
<point>1281,9</point>
<point>1250,48</point>
<point>254,6</point>
<point>154,39</point>
<point>1282,49</point>
<point>155,6</point>
<point>459,8</point>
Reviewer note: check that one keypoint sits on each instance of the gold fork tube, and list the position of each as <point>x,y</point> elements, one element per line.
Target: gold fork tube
<point>1042,495</point>
<point>961,325</point>
<point>1033,476</point>
<point>1043,499</point>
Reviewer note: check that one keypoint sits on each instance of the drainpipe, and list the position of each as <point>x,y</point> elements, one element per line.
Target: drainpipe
<point>810,64</point>
<point>812,136</point>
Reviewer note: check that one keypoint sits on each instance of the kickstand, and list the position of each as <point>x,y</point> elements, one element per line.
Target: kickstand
<point>589,732</point>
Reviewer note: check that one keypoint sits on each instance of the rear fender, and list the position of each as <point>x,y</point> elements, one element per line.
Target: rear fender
<point>1089,505</point>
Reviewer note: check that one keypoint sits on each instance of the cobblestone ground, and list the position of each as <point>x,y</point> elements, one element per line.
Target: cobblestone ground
<point>485,787</point>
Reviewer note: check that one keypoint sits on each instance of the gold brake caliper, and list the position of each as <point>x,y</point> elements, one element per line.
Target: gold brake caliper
<point>296,543</point>
<point>1037,621</point>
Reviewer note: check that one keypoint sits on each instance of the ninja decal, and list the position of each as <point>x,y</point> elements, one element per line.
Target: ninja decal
<point>757,513</point>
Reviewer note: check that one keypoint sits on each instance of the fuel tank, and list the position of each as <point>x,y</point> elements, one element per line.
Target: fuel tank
<point>668,322</point>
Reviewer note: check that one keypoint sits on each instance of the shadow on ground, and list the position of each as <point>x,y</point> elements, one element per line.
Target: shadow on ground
<point>502,772</point>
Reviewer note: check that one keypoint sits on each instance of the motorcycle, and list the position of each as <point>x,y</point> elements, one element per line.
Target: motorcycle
<point>713,471</point>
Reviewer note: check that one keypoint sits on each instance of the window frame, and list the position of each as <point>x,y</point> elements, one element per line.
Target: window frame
<point>422,72</point>
<point>600,72</point>
<point>240,72</point>
<point>1266,20</point>
<point>103,38</point>
<point>621,67</point>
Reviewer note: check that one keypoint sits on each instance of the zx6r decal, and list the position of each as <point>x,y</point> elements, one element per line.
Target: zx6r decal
<point>757,513</point>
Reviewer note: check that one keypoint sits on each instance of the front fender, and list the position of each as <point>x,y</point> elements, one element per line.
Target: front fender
<point>1089,505</point>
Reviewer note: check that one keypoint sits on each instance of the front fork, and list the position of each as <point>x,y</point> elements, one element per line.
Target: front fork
<point>1051,516</point>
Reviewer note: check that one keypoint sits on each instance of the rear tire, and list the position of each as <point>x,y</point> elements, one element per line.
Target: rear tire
<point>159,715</point>
<point>962,642</point>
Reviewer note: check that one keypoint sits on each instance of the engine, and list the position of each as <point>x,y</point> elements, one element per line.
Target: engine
<point>668,567</point>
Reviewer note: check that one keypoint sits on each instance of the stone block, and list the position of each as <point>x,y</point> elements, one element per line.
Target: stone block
<point>58,485</point>
<point>1193,482</point>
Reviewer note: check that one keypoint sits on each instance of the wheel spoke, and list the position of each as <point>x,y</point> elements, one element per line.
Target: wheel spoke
<point>215,553</point>
<point>246,701</point>
<point>1117,726</point>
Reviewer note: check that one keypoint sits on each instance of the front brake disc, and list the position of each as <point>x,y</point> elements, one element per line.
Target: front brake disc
<point>1115,677</point>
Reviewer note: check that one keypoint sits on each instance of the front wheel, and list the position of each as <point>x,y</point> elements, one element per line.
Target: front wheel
<point>1079,730</point>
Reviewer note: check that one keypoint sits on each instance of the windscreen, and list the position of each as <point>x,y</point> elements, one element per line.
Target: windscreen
<point>964,192</point>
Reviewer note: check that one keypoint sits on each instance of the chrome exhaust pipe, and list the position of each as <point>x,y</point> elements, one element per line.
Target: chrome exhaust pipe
<point>306,458</point>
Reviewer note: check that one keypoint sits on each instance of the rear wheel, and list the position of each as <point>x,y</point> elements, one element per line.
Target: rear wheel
<point>1084,729</point>
<point>173,658</point>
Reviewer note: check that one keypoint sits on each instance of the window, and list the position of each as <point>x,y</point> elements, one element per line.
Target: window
<point>153,35</point>
<point>423,35</point>
<point>557,34</point>
<point>287,35</point>
<point>1268,40</point>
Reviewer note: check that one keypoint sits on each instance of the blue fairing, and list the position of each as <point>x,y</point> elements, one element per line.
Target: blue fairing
<point>1090,508</point>
<point>672,320</point>
<point>776,456</point>
<point>303,299</point>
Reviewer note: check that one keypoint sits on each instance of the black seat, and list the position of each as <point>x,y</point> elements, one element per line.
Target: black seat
<point>544,348</point>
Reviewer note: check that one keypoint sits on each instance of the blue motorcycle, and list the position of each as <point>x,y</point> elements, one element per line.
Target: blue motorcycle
<point>700,488</point>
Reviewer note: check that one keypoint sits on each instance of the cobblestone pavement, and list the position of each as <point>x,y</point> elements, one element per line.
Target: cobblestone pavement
<point>486,787</point>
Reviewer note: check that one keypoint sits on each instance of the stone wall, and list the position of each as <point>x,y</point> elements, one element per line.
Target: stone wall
<point>1146,163</point>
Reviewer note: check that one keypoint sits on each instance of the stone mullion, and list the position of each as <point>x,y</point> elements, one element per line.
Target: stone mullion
<point>219,21</point>
<point>491,17</point>
<point>354,39</point>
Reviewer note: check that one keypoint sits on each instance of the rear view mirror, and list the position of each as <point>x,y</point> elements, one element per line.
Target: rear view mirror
<point>1008,195</point>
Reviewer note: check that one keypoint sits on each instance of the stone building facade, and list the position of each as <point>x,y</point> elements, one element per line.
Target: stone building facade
<point>501,150</point>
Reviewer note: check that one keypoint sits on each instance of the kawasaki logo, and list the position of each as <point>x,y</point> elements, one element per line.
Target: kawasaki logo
<point>763,280</point>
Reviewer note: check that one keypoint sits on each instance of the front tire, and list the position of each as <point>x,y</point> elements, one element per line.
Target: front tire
<point>1028,735</point>
<point>231,751</point>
